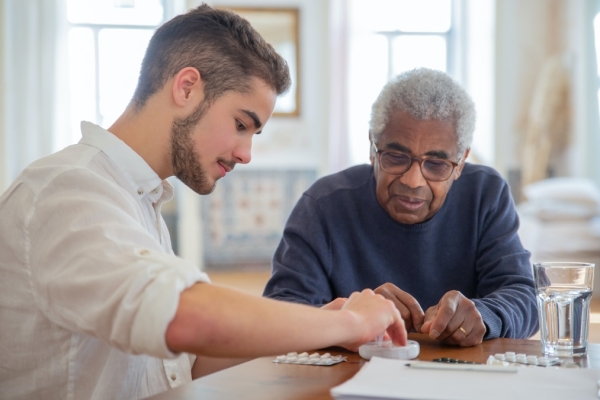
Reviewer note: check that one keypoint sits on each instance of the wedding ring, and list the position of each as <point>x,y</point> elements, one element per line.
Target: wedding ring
<point>463,331</point>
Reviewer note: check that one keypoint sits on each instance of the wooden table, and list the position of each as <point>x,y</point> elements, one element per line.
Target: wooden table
<point>262,379</point>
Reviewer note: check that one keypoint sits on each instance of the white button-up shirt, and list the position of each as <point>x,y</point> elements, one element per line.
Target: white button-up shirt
<point>88,279</point>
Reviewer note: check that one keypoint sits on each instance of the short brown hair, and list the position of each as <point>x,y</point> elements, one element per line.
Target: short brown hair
<point>220,44</point>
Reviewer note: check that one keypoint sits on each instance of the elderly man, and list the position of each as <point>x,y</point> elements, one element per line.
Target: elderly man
<point>419,225</point>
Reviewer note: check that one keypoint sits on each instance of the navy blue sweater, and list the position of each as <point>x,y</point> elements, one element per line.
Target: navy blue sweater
<point>339,239</point>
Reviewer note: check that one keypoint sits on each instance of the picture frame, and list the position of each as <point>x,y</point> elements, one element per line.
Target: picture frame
<point>280,28</point>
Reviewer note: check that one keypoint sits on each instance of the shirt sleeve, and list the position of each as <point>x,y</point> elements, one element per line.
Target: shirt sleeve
<point>506,296</point>
<point>301,260</point>
<point>95,269</point>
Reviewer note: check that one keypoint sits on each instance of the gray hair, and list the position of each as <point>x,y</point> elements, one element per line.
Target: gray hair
<point>425,94</point>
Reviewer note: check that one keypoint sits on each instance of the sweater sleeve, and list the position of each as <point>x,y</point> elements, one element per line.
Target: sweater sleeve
<point>302,258</point>
<point>506,296</point>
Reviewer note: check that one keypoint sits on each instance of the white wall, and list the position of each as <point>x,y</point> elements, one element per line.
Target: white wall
<point>3,173</point>
<point>528,33</point>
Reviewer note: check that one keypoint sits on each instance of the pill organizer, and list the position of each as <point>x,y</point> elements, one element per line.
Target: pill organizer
<point>387,349</point>
<point>306,359</point>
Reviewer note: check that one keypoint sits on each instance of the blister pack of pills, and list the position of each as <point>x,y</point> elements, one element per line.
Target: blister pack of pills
<point>512,358</point>
<point>312,359</point>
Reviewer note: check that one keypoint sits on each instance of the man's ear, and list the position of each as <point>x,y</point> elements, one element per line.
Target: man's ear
<point>459,169</point>
<point>188,88</point>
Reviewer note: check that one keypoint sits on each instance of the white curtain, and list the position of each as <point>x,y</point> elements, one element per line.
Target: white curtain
<point>35,82</point>
<point>586,126</point>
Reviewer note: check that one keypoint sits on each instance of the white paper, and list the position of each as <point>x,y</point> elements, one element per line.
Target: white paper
<point>392,379</point>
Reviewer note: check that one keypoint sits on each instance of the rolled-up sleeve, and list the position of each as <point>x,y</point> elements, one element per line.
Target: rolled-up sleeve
<point>95,269</point>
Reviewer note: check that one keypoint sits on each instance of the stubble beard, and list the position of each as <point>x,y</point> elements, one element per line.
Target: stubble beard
<point>186,163</point>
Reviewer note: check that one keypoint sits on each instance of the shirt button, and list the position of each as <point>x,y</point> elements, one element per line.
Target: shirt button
<point>140,191</point>
<point>173,376</point>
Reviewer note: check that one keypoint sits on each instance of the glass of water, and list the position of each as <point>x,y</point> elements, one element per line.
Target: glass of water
<point>564,291</point>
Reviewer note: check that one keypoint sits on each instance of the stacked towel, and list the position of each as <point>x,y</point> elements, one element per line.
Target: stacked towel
<point>560,221</point>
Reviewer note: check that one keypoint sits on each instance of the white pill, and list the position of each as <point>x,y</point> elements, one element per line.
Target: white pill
<point>302,360</point>
<point>326,355</point>
<point>325,362</point>
<point>314,355</point>
<point>293,353</point>
<point>292,358</point>
<point>500,356</point>
<point>281,358</point>
<point>305,354</point>
<point>521,355</point>
<point>510,354</point>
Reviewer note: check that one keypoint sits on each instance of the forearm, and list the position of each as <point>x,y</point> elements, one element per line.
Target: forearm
<point>217,321</point>
<point>509,312</point>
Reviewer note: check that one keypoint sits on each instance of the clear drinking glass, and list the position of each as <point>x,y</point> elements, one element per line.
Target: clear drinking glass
<point>564,291</point>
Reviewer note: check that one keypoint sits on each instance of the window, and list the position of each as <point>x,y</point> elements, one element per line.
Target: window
<point>107,40</point>
<point>597,43</point>
<point>388,37</point>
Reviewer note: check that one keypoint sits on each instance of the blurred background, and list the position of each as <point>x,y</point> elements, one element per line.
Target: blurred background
<point>530,65</point>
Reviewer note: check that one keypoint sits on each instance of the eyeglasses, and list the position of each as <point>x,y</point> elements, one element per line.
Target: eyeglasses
<point>433,168</point>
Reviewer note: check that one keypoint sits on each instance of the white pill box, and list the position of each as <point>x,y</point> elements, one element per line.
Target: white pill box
<point>388,350</point>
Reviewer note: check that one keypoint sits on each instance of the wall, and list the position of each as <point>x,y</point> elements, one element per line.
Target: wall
<point>3,173</point>
<point>528,33</point>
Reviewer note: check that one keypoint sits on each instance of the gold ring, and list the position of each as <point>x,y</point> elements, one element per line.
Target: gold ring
<point>463,331</point>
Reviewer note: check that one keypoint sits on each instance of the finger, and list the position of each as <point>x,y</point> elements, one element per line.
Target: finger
<point>397,332</point>
<point>414,308</point>
<point>404,311</point>
<point>409,307</point>
<point>428,319</point>
<point>445,313</point>
<point>471,329</point>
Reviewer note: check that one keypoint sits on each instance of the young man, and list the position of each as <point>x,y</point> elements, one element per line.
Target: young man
<point>93,303</point>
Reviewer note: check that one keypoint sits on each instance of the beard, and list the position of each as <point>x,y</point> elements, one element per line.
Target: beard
<point>186,163</point>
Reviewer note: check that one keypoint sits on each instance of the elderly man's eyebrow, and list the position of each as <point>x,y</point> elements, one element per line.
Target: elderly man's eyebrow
<point>432,153</point>
<point>255,119</point>
<point>397,146</point>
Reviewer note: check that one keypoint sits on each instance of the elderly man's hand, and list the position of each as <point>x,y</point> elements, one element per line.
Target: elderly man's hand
<point>455,320</point>
<point>409,307</point>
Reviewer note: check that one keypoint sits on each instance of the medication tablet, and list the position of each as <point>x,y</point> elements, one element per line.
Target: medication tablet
<point>500,356</point>
<point>304,359</point>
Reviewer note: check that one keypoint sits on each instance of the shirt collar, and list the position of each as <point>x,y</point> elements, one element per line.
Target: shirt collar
<point>147,182</point>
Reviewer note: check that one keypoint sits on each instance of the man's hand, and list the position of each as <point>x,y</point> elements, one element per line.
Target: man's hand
<point>335,304</point>
<point>409,307</point>
<point>454,320</point>
<point>375,315</point>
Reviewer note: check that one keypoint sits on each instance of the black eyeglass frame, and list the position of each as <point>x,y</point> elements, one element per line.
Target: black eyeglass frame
<point>420,160</point>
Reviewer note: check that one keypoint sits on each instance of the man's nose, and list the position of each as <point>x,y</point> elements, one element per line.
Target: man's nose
<point>243,151</point>
<point>413,178</point>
